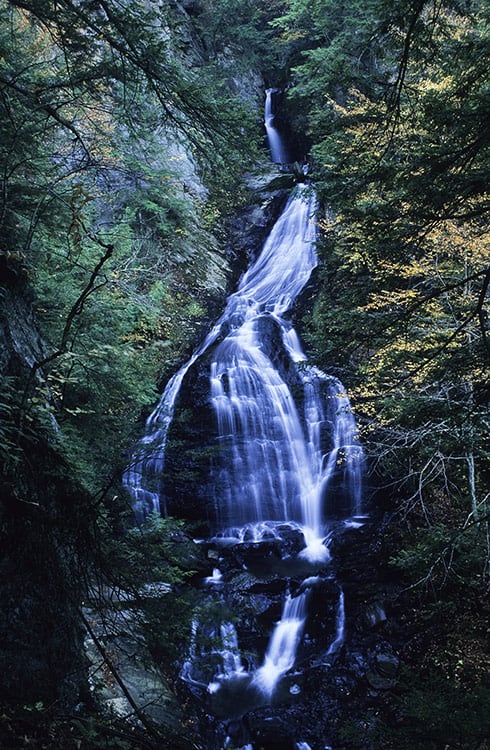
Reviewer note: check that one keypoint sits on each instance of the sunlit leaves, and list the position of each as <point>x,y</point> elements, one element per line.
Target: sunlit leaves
<point>401,147</point>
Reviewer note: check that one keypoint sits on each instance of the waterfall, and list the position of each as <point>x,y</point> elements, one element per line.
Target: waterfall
<point>281,652</point>
<point>340,625</point>
<point>272,468</point>
<point>276,145</point>
<point>229,652</point>
<point>143,477</point>
<point>288,458</point>
<point>266,472</point>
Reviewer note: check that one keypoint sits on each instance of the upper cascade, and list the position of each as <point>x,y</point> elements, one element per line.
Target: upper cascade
<point>287,258</point>
<point>274,466</point>
<point>279,154</point>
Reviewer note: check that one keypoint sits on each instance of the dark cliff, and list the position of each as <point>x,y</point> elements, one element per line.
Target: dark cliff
<point>43,527</point>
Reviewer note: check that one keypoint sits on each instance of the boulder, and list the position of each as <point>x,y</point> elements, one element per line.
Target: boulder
<point>387,664</point>
<point>374,615</point>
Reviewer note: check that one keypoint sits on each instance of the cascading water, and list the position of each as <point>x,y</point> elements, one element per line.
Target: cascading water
<point>286,464</point>
<point>340,625</point>
<point>277,148</point>
<point>281,652</point>
<point>143,476</point>
<point>266,473</point>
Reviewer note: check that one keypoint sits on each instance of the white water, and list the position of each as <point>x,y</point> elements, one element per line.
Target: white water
<point>229,652</point>
<point>143,476</point>
<point>274,466</point>
<point>287,258</point>
<point>266,472</point>
<point>276,145</point>
<point>278,463</point>
<point>281,653</point>
<point>340,626</point>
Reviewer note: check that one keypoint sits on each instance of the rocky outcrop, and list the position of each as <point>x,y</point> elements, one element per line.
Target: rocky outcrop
<point>248,228</point>
<point>343,689</point>
<point>21,345</point>
<point>192,451</point>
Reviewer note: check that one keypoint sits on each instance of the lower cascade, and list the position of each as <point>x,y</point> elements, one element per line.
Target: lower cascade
<point>286,471</point>
<point>281,651</point>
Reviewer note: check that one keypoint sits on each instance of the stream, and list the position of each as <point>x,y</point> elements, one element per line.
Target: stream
<point>287,471</point>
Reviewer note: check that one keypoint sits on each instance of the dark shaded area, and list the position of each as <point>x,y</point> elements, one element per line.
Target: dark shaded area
<point>44,532</point>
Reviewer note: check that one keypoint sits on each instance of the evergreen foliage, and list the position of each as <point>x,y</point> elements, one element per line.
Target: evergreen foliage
<point>240,34</point>
<point>114,138</point>
<point>95,100</point>
<point>396,100</point>
<point>120,155</point>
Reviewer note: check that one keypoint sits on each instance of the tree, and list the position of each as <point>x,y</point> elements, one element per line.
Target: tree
<point>96,101</point>
<point>401,164</point>
<point>400,147</point>
<point>112,151</point>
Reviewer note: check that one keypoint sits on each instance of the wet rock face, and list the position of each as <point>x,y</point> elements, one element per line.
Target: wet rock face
<point>192,7</point>
<point>20,342</point>
<point>326,693</point>
<point>250,226</point>
<point>270,336</point>
<point>328,618</point>
<point>193,453</point>
<point>191,449</point>
<point>384,667</point>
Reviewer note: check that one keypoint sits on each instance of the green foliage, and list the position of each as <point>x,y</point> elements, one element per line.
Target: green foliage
<point>442,558</point>
<point>39,726</point>
<point>395,98</point>
<point>9,450</point>
<point>429,713</point>
<point>157,551</point>
<point>400,144</point>
<point>109,138</point>
<point>437,713</point>
<point>153,562</point>
<point>112,136</point>
<point>240,33</point>
<point>339,42</point>
<point>120,155</point>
